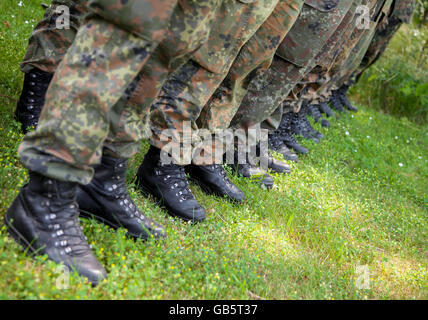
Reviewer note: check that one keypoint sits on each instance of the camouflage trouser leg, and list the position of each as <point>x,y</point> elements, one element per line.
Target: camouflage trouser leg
<point>254,58</point>
<point>99,66</point>
<point>189,29</point>
<point>300,47</point>
<point>190,87</point>
<point>360,42</point>
<point>310,86</point>
<point>48,44</point>
<point>379,44</point>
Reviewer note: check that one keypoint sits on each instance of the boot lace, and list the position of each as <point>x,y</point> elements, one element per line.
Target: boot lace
<point>63,224</point>
<point>175,176</point>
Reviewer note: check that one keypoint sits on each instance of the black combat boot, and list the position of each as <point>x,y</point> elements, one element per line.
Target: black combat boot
<point>32,99</point>
<point>286,134</point>
<point>314,112</point>
<point>343,91</point>
<point>307,125</point>
<point>168,184</point>
<point>107,200</point>
<point>213,180</point>
<point>325,108</point>
<point>273,164</point>
<point>301,126</point>
<point>335,101</point>
<point>44,219</point>
<point>277,145</point>
<point>278,166</point>
<point>252,172</point>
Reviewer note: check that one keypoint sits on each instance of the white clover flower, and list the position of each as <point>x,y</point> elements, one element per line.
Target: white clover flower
<point>20,4</point>
<point>401,165</point>
<point>347,133</point>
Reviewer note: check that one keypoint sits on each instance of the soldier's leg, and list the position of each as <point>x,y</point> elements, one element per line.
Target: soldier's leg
<point>188,89</point>
<point>289,67</point>
<point>93,75</point>
<point>47,46</point>
<point>254,58</point>
<point>268,90</point>
<point>189,29</point>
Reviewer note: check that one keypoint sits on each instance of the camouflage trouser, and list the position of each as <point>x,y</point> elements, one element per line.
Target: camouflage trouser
<point>79,113</point>
<point>315,25</point>
<point>189,28</point>
<point>254,58</point>
<point>48,44</point>
<point>346,64</point>
<point>189,88</point>
<point>381,39</point>
<point>402,12</point>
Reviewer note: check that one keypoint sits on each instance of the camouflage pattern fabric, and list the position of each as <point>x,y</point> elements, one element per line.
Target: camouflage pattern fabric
<point>402,12</point>
<point>343,73</point>
<point>404,9</point>
<point>327,78</point>
<point>94,74</point>
<point>189,29</point>
<point>189,88</point>
<point>254,58</point>
<point>48,44</point>
<point>316,24</point>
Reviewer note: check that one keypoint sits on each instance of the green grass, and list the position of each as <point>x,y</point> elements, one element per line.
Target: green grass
<point>348,204</point>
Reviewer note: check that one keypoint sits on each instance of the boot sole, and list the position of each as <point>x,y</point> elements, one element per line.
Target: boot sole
<point>208,190</point>
<point>88,215</point>
<point>160,202</point>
